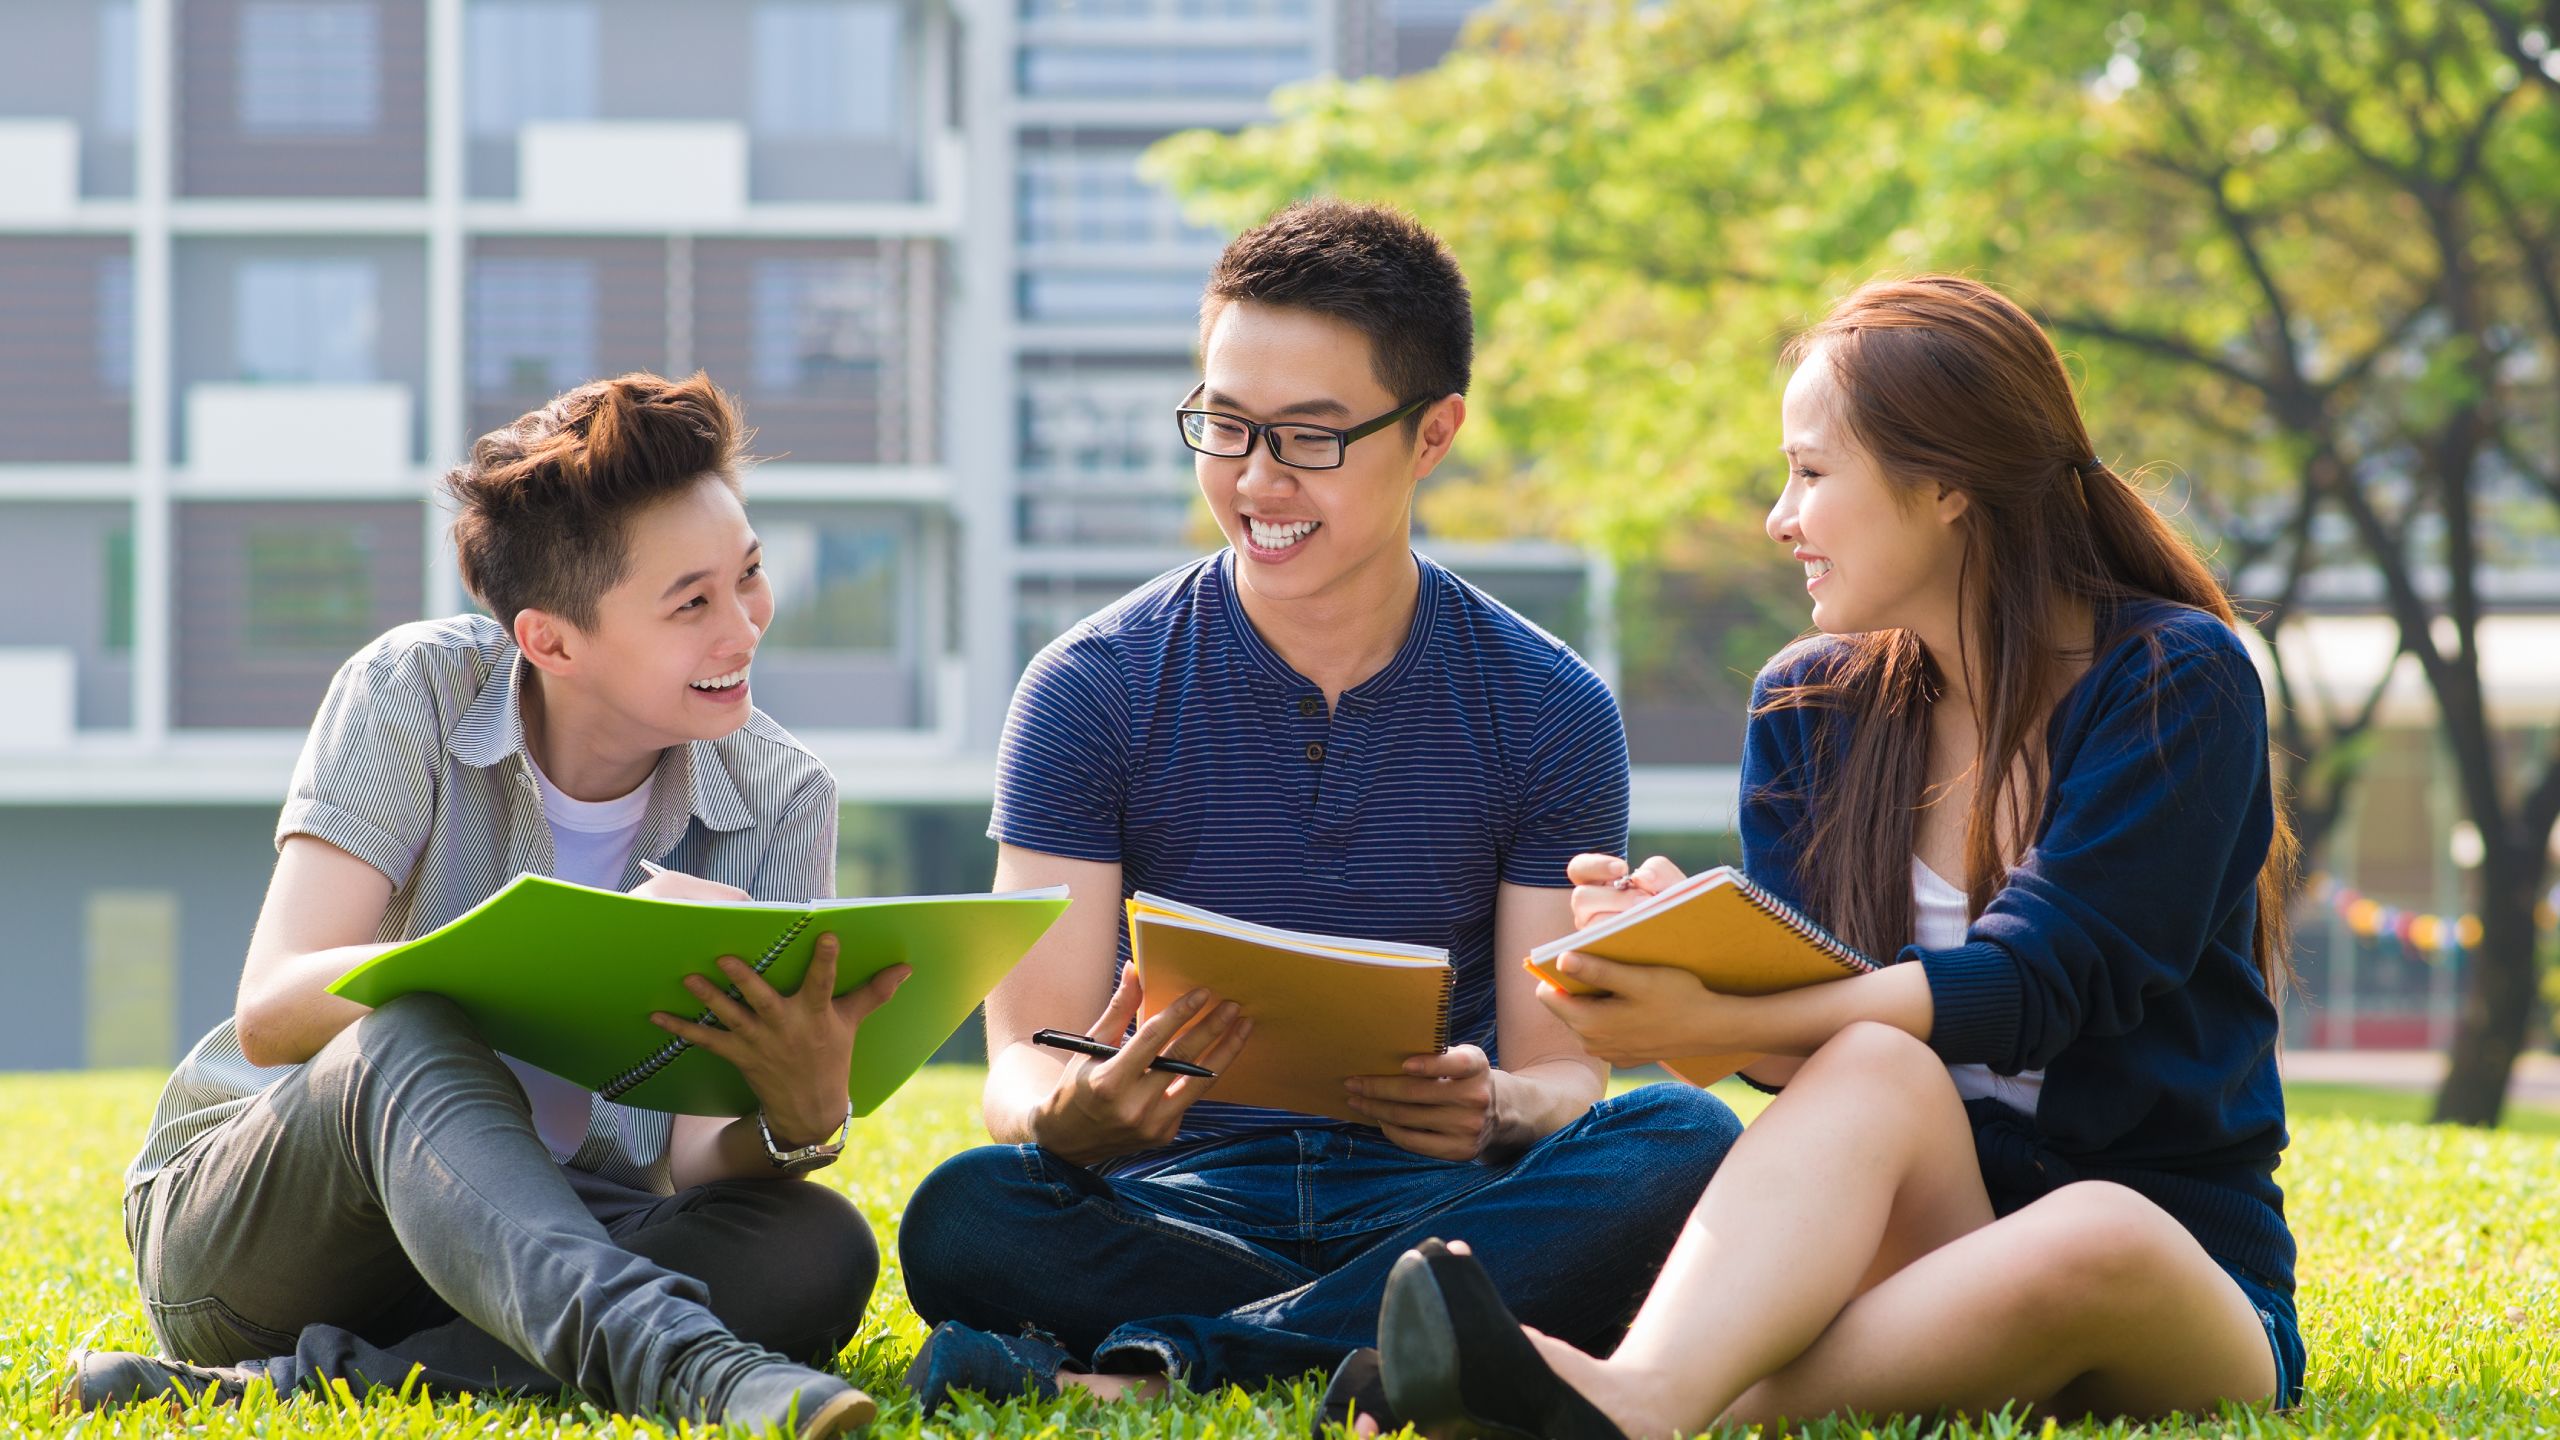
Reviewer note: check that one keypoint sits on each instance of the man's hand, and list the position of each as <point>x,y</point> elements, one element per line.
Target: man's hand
<point>1445,1106</point>
<point>796,1050</point>
<point>1105,1108</point>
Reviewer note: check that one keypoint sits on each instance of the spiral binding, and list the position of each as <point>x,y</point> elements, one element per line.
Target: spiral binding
<point>1448,992</point>
<point>623,1084</point>
<point>1804,928</point>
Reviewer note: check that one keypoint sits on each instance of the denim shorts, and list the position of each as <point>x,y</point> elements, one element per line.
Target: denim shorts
<point>2284,1332</point>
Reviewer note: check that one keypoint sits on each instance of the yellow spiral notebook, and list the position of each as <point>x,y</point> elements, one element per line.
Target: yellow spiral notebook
<point>1732,934</point>
<point>1323,1008</point>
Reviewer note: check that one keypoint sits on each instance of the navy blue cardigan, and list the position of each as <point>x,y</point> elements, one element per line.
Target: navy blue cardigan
<point>2116,958</point>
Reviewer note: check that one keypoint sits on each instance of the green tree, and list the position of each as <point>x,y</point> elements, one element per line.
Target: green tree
<point>2308,246</point>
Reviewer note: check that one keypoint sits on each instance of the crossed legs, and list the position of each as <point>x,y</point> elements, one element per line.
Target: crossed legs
<point>1846,1257</point>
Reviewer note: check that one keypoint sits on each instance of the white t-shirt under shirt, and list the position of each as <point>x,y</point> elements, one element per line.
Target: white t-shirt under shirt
<point>1939,920</point>
<point>591,844</point>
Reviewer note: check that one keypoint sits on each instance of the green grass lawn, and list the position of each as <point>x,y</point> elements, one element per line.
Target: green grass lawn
<point>2430,1284</point>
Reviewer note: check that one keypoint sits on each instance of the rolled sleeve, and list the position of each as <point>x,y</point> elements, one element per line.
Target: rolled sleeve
<point>799,861</point>
<point>366,780</point>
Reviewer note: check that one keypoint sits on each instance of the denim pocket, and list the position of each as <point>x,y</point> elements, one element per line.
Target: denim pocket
<point>205,1331</point>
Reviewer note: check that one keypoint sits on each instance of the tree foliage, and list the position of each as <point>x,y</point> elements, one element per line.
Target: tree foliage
<point>2305,255</point>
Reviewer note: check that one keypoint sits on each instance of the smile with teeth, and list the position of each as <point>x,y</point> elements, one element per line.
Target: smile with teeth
<point>1815,570</point>
<point>730,681</point>
<point>1279,537</point>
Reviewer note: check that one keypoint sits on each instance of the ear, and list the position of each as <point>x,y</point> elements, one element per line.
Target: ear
<point>1952,505</point>
<point>1440,425</point>
<point>548,641</point>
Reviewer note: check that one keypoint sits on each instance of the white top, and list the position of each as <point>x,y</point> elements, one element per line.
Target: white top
<point>591,844</point>
<point>1939,919</point>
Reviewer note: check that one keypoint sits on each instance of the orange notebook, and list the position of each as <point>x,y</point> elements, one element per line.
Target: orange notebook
<point>1323,1008</point>
<point>1722,928</point>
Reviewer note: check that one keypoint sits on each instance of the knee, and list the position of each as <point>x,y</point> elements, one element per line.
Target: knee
<point>413,1024</point>
<point>810,1300</point>
<point>2093,1237</point>
<point>1682,1126</point>
<point>949,1238</point>
<point>395,1039</point>
<point>1869,1053</point>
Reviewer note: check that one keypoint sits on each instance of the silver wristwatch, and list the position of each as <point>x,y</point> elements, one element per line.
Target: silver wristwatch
<point>806,1158</point>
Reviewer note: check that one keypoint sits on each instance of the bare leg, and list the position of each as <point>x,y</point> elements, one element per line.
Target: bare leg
<point>1863,1165</point>
<point>2092,1300</point>
<point>1114,1387</point>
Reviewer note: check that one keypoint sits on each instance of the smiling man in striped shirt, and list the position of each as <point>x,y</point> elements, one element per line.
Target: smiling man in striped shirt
<point>1315,728</point>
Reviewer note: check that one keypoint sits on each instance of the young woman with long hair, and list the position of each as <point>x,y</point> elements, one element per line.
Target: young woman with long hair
<point>2025,757</point>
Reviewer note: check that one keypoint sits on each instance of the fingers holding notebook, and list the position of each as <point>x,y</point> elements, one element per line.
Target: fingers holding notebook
<point>1442,1106</point>
<point>1115,1106</point>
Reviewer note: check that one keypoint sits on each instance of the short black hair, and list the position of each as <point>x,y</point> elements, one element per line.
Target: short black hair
<point>1370,266</point>
<point>542,506</point>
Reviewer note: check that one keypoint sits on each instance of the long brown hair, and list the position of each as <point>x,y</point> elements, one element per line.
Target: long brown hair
<point>1949,385</point>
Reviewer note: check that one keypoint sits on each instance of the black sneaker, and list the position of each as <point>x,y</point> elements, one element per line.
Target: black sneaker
<point>105,1379</point>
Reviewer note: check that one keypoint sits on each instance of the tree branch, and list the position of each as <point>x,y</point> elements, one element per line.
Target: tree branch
<point>2154,342</point>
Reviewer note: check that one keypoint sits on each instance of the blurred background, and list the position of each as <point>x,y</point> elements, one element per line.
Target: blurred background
<point>267,266</point>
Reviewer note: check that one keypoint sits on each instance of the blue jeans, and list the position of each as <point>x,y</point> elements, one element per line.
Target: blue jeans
<point>1264,1256</point>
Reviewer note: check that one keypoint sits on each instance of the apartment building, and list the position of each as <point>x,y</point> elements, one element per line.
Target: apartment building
<point>267,266</point>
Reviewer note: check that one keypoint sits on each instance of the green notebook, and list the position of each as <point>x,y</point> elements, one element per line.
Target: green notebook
<point>564,977</point>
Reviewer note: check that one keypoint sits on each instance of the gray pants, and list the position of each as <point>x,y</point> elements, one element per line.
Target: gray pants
<point>389,1207</point>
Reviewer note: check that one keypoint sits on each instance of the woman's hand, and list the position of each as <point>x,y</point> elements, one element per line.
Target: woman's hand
<point>664,884</point>
<point>1647,1013</point>
<point>1446,1106</point>
<point>796,1050</point>
<point>1603,885</point>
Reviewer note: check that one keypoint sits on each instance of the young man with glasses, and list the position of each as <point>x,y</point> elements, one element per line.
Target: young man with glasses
<point>1315,728</point>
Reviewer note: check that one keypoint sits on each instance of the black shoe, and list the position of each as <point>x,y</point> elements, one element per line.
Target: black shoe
<point>1457,1366</point>
<point>1000,1367</point>
<point>1357,1388</point>
<point>106,1379</point>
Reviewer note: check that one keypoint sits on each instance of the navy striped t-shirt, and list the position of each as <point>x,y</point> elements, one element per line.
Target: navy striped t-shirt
<point>1166,734</point>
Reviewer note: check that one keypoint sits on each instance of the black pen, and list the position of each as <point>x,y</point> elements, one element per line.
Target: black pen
<point>1087,1045</point>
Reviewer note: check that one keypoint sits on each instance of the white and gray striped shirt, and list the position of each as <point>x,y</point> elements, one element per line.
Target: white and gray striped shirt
<point>417,765</point>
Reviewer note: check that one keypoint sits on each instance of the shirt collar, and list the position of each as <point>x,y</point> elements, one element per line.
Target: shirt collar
<point>690,775</point>
<point>1268,665</point>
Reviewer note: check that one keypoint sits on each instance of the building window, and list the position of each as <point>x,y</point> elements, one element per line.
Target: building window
<point>826,70</point>
<point>528,60</point>
<point>819,324</point>
<point>117,105</point>
<point>116,607</point>
<point>1109,297</point>
<point>115,322</point>
<point>310,589</point>
<point>305,321</point>
<point>1097,198</point>
<point>1093,427</point>
<point>1108,71</point>
<point>533,325</point>
<point>310,67</point>
<point>836,586</point>
<point>1126,10</point>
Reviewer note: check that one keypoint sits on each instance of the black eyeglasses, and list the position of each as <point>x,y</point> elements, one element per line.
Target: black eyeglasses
<point>1294,443</point>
